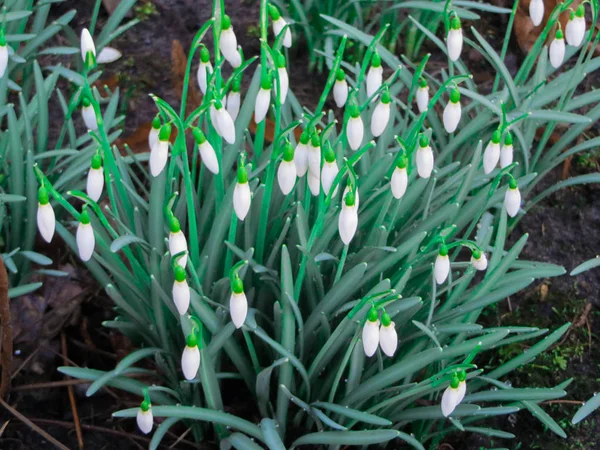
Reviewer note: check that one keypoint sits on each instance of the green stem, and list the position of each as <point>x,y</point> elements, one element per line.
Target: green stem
<point>340,267</point>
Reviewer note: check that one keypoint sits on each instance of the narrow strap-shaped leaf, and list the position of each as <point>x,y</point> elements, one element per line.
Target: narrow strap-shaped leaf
<point>353,413</point>
<point>588,407</point>
<point>589,264</point>
<point>161,431</point>
<point>346,438</point>
<point>271,436</point>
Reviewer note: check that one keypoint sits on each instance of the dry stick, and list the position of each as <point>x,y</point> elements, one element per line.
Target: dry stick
<point>32,425</point>
<point>49,384</point>
<point>63,344</point>
<point>6,349</point>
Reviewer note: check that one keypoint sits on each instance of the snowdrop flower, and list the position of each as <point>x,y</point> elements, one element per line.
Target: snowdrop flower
<point>381,115</point>
<point>399,181</point>
<point>144,418</point>
<point>491,155</point>
<point>314,157</point>
<point>355,129</point>
<point>301,154</point>
<point>181,291</point>
<point>279,24</point>
<point>177,241</point>
<point>88,49</point>
<point>85,237</point>
<point>441,268</point>
<point>88,114</point>
<point>108,55</point>
<point>284,80</point>
<point>154,132</point>
<point>329,171</point>
<point>228,43</point>
<point>205,69</point>
<point>263,99</point>
<point>241,194</point>
<point>190,359</point>
<point>238,304</point>
<point>160,152</point>
<point>557,50</point>
<point>479,260</point>
<point>388,338</point>
<point>95,178</point>
<point>454,41</point>
<point>286,173</point>
<point>223,122</point>
<point>3,54</point>
<point>374,75</point>
<point>207,152</point>
<point>575,31</point>
<point>314,183</point>
<point>234,99</point>
<point>424,158</point>
<point>536,11</point>
<point>422,96</point>
<point>512,198</point>
<point>506,151</point>
<point>451,397</point>
<point>46,220</point>
<point>370,333</point>
<point>348,220</point>
<point>340,89</point>
<point>356,195</point>
<point>452,112</point>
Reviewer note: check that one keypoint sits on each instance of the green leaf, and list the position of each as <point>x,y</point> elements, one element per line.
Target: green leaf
<point>347,438</point>
<point>588,407</point>
<point>538,394</point>
<point>271,436</point>
<point>353,413</point>
<point>11,198</point>
<point>589,264</point>
<point>161,431</point>
<point>23,289</point>
<point>126,240</point>
<point>36,258</point>
<point>558,116</point>
<point>490,432</point>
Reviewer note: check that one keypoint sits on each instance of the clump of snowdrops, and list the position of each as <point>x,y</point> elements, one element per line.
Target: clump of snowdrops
<point>332,277</point>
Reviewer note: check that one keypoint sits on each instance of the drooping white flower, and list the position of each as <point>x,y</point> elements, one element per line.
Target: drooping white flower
<point>374,75</point>
<point>479,260</point>
<point>340,89</point>
<point>381,115</point>
<point>441,268</point>
<point>491,155</point>
<point>154,132</point>
<point>46,220</point>
<point>3,55</point>
<point>355,129</point>
<point>399,181</point>
<point>224,123</point>
<point>506,151</point>
<point>454,41</point>
<point>301,154</point>
<point>190,358</point>
<point>575,30</point>
<point>388,338</point>
<point>348,219</point>
<point>87,45</point>
<point>263,100</point>
<point>314,183</point>
<point>241,194</point>
<point>108,55</point>
<point>329,171</point>
<point>145,419</point>
<point>286,173</point>
<point>228,43</point>
<point>181,291</point>
<point>207,152</point>
<point>177,241</point>
<point>424,158</point>
<point>422,96</point>
<point>88,114</point>
<point>314,157</point>
<point>512,198</point>
<point>160,152</point>
<point>451,398</point>
<point>95,178</point>
<point>279,24</point>
<point>284,79</point>
<point>370,333</point>
<point>205,69</point>
<point>557,50</point>
<point>85,237</point>
<point>536,11</point>
<point>452,112</point>
<point>238,303</point>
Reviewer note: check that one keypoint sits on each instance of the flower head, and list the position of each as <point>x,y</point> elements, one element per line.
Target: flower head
<point>241,194</point>
<point>88,114</point>
<point>190,358</point>
<point>181,291</point>
<point>479,260</point>
<point>348,219</point>
<point>144,419</point>
<point>3,54</point>
<point>370,333</point>
<point>95,178</point>
<point>454,40</point>
<point>451,397</point>
<point>205,69</point>
<point>228,43</point>
<point>536,11</point>
<point>388,338</point>
<point>340,89</point>
<point>330,170</point>
<point>422,97</point>
<point>507,151</point>
<point>88,48</point>
<point>399,181</point>
<point>355,129</point>
<point>424,157</point>
<point>238,304</point>
<point>512,198</point>
<point>160,152</point>
<point>441,267</point>
<point>85,236</point>
<point>374,75</point>
<point>286,173</point>
<point>557,50</point>
<point>301,154</point>
<point>263,100</point>
<point>46,220</point>
<point>207,152</point>
<point>452,112</point>
<point>381,114</point>
<point>491,155</point>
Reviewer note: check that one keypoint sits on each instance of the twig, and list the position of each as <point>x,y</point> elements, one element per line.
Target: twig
<point>32,425</point>
<point>566,402</point>
<point>63,345</point>
<point>6,348</point>
<point>49,384</point>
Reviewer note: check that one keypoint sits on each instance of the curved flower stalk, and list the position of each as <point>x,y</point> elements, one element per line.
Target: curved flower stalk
<point>370,333</point>
<point>441,268</point>
<point>422,96</point>
<point>507,151</point>
<point>348,220</point>
<point>238,304</point>
<point>536,11</point>
<point>374,75</point>
<point>181,291</point>
<point>85,236</point>
<point>263,100</point>
<point>234,99</point>
<point>286,174</point>
<point>512,198</point>
<point>228,43</point>
<point>301,154</point>
<point>88,114</point>
<point>575,29</point>
<point>355,129</point>
<point>284,80</point>
<point>381,114</point>
<point>491,155</point>
<point>329,171</point>
<point>557,50</point>
<point>388,337</point>
<point>190,358</point>
<point>95,178</point>
<point>3,54</point>
<point>205,69</point>
<point>207,152</point>
<point>454,40</point>
<point>279,24</point>
<point>452,112</point>
<point>160,153</point>
<point>340,89</point>
<point>177,241</point>
<point>241,193</point>
<point>46,220</point>
<point>399,181</point>
<point>424,157</point>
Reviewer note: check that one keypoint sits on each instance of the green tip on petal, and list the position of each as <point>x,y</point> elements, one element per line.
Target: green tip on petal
<point>204,55</point>
<point>455,96</point>
<point>349,199</point>
<point>386,97</point>
<point>288,152</point>
<point>199,136</point>
<point>274,13</point>
<point>237,286</point>
<point>443,250</point>
<point>242,174</point>
<point>165,132</point>
<point>226,23</point>
<point>422,82</point>
<point>476,254</point>
<point>462,375</point>
<point>280,61</point>
<point>192,340</point>
<point>96,161</point>
<point>329,154</point>
<point>266,83</point>
<point>84,217</point>
<point>86,102</point>
<point>512,183</point>
<point>340,75</point>
<point>423,141</point>
<point>580,11</point>
<point>43,197</point>
<point>315,141</point>
<point>376,60</point>
<point>174,225</point>
<point>454,381</point>
<point>372,315</point>
<point>508,140</point>
<point>179,274</point>
<point>386,320</point>
<point>156,123</point>
<point>402,162</point>
<point>455,24</point>
<point>145,406</point>
<point>559,34</point>
<point>354,111</point>
<point>496,137</point>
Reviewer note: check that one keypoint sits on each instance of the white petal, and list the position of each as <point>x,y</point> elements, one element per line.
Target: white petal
<point>462,390</point>
<point>557,52</point>
<point>454,43</point>
<point>284,82</point>
<point>441,268</point>
<point>301,159</point>
<point>340,93</point>
<point>374,80</point>
<point>536,11</point>
<point>370,337</point>
<point>422,98</point>
<point>233,104</point>
<point>89,117</point>
<point>356,196</point>
<point>235,60</point>
<point>214,116</point>
<point>228,45</point>
<point>145,420</point>
<point>85,241</point>
<point>481,263</point>
<point>491,156</point>
<point>399,183</point>
<point>46,221</point>
<point>158,157</point>
<point>87,44</point>
<point>238,308</point>
<point>424,161</point>
<point>108,55</point>
<point>380,118</point>
<point>209,157</point>
<point>190,362</point>
<point>450,400</point>
<point>355,132</point>
<point>95,183</point>
<point>178,244</point>
<point>153,137</point>
<point>226,126</point>
<point>347,223</point>
<point>506,155</point>
<point>512,201</point>
<point>202,75</point>
<point>241,200</point>
<point>314,161</point>
<point>261,106</point>
<point>314,183</point>
<point>278,26</point>
<point>181,296</point>
<point>452,113</point>
<point>328,174</point>
<point>388,339</point>
<point>3,59</point>
<point>577,31</point>
<point>286,176</point>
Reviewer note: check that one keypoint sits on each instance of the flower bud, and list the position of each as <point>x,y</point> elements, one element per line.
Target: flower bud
<point>279,24</point>
<point>160,153</point>
<point>88,114</point>
<point>181,291</point>
<point>224,123</point>
<point>557,50</point>
<point>355,129</point>
<point>154,132</point>
<point>370,333</point>
<point>452,112</point>
<point>284,80</point>
<point>356,195</point>
<point>190,359</point>
<point>95,178</point>
<point>512,198</point>
<point>388,338</point>
<point>381,115</point>
<point>454,41</point>
<point>46,220</point>
<point>314,158</point>
<point>87,47</point>
<point>451,397</point>
<point>301,154</point>
<point>177,241</point>
<point>536,11</point>
<point>399,181</point>
<point>286,173</point>
<point>575,30</point>
<point>228,43</point>
<point>205,69</point>
<point>348,219</point>
<point>422,96</point>
<point>374,75</point>
<point>85,237</point>
<point>491,155</point>
<point>238,304</point>
<point>207,152</point>
<point>263,100</point>
<point>441,268</point>
<point>234,99</point>
<point>506,151</point>
<point>424,158</point>
<point>479,260</point>
<point>340,89</point>
<point>241,194</point>
<point>329,171</point>
<point>3,54</point>
<point>144,418</point>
